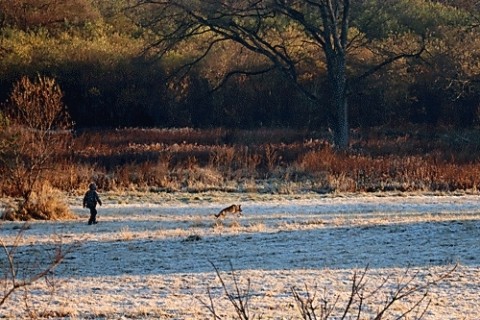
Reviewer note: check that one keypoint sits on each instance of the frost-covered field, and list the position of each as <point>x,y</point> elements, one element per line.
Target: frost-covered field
<point>152,255</point>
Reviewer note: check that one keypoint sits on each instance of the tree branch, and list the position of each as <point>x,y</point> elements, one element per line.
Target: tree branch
<point>390,60</point>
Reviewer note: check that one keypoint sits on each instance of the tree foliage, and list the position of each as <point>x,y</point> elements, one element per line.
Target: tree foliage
<point>301,39</point>
<point>30,14</point>
<point>247,63</point>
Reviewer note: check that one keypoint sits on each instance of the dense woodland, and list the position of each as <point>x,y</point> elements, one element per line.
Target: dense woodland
<point>101,55</point>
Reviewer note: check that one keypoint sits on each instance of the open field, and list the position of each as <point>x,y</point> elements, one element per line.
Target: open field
<point>151,255</point>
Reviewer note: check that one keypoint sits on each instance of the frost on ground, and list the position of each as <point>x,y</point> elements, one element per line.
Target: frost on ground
<point>152,255</point>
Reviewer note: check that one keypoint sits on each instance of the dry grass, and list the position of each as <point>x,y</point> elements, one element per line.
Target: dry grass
<point>271,161</point>
<point>125,234</point>
<point>46,203</point>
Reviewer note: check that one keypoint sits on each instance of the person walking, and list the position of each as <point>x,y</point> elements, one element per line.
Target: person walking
<point>90,201</point>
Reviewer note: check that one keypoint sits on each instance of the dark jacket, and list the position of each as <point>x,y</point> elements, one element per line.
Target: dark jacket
<point>91,199</point>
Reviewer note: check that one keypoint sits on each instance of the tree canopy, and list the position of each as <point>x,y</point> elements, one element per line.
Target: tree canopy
<point>301,39</point>
<point>249,63</point>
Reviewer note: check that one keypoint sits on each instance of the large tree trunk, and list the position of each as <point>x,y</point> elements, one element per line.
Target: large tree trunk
<point>341,138</point>
<point>335,42</point>
<point>338,98</point>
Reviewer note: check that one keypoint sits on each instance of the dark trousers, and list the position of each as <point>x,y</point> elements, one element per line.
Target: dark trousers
<point>93,215</point>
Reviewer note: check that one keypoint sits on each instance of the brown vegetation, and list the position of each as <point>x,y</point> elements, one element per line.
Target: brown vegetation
<point>279,161</point>
<point>33,137</point>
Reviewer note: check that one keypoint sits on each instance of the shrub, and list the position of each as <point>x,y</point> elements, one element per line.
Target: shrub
<point>36,133</point>
<point>44,204</point>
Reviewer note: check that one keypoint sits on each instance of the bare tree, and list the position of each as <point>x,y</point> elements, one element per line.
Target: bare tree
<point>260,26</point>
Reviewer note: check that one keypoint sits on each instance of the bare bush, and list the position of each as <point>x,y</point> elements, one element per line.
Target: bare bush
<point>38,131</point>
<point>271,157</point>
<point>19,270</point>
<point>238,297</point>
<point>365,300</point>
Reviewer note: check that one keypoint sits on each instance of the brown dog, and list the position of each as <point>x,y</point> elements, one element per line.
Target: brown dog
<point>234,208</point>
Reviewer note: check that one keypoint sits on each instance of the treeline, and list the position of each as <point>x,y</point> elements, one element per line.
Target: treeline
<point>100,59</point>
